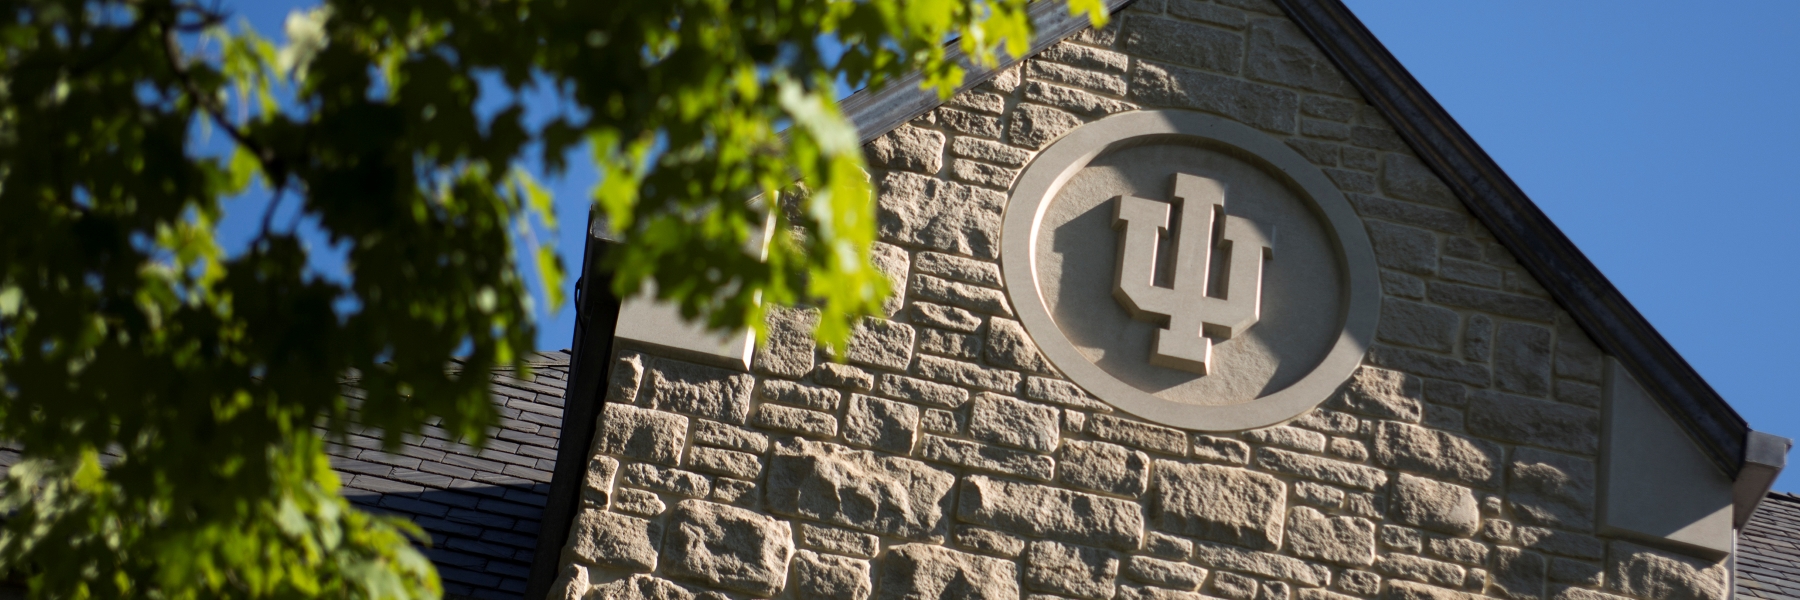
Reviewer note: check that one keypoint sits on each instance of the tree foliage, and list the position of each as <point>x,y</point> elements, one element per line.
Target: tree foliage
<point>172,400</point>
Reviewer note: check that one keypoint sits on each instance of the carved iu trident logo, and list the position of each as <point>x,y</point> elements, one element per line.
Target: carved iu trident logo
<point>1187,313</point>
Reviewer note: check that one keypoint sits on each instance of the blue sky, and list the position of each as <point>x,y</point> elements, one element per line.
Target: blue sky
<point>1660,136</point>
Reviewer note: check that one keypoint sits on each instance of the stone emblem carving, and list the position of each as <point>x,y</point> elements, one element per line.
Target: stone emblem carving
<point>1188,315</point>
<point>1139,252</point>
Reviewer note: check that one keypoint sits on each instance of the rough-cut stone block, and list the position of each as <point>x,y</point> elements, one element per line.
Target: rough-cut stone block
<point>846,376</point>
<point>894,263</point>
<point>1381,393</point>
<point>1288,437</point>
<point>932,213</point>
<point>1522,359</point>
<point>1468,552</point>
<point>1321,469</point>
<point>1518,574</point>
<point>1261,106</point>
<point>1423,570</point>
<point>730,463</point>
<point>994,152</point>
<point>672,481</point>
<point>1009,346</point>
<point>959,268</point>
<point>1576,356</point>
<point>1220,449</point>
<point>1052,513</point>
<point>1560,542</point>
<point>1434,505</point>
<point>1167,546</point>
<point>1536,422</point>
<point>972,297</point>
<point>1340,540</point>
<point>1016,423</point>
<point>1348,449</point>
<point>1262,564</point>
<point>1478,338</point>
<point>1499,303</point>
<point>1062,392</point>
<point>949,344</point>
<point>1229,505</point>
<point>1418,325</point>
<point>598,481</point>
<point>1638,571</point>
<point>789,349</point>
<point>1552,489</point>
<point>1077,101</point>
<point>1428,364</point>
<point>1575,593</point>
<point>990,541</point>
<point>1143,592</point>
<point>1406,213</point>
<point>728,547</point>
<point>881,424</point>
<point>626,379</point>
<point>641,434</point>
<point>1165,573</point>
<point>1320,495</point>
<point>980,101</point>
<point>614,540</point>
<point>970,123</point>
<point>1352,581</point>
<point>800,394</point>
<point>976,455</point>
<point>1035,126</point>
<point>921,391</point>
<point>641,587</point>
<point>700,391</point>
<point>571,583</point>
<point>1404,177</point>
<point>1166,40</point>
<point>1086,57</point>
<point>862,490</point>
<point>1407,590</point>
<point>734,491</point>
<point>796,420</point>
<point>1403,248</point>
<point>965,374</point>
<point>917,571</point>
<point>1578,572</point>
<point>1438,453</point>
<point>1137,434</point>
<point>1281,53</point>
<point>1103,467</point>
<point>882,344</point>
<point>946,317</point>
<point>1073,571</point>
<point>827,577</point>
<point>1232,586</point>
<point>839,541</point>
<point>720,435</point>
<point>909,148</point>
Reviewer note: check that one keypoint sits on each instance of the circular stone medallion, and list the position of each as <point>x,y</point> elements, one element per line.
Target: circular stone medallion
<point>1190,270</point>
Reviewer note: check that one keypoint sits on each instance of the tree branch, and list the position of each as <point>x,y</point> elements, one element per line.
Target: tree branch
<point>271,163</point>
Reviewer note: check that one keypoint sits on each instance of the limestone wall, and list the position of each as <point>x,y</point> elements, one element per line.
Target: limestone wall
<point>948,460</point>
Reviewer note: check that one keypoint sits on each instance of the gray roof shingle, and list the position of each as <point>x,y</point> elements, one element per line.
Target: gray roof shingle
<point>1768,550</point>
<point>482,509</point>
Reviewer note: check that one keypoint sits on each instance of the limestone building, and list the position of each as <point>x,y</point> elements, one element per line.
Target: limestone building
<point>1215,302</point>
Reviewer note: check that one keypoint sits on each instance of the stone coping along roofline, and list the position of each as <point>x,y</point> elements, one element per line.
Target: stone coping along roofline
<point>1483,187</point>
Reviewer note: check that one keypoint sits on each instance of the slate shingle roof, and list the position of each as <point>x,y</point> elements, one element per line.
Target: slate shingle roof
<point>482,509</point>
<point>1768,552</point>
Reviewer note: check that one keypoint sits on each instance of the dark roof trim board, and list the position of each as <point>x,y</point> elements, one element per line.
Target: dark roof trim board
<point>1523,228</point>
<point>596,317</point>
